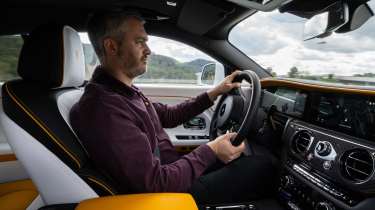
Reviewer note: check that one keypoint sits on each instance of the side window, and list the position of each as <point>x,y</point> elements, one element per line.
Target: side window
<point>173,62</point>
<point>10,47</point>
<point>170,62</point>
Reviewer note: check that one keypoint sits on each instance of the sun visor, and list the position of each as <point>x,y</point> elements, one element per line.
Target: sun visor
<point>198,17</point>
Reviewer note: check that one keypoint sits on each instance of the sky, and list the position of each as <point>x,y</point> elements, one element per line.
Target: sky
<point>275,40</point>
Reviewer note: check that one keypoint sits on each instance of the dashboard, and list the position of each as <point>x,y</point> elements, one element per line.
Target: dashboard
<point>328,155</point>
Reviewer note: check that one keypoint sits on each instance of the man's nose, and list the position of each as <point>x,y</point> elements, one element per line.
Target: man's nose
<point>147,50</point>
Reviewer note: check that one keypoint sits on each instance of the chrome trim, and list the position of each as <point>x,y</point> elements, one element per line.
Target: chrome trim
<point>286,126</point>
<point>171,3</point>
<point>231,207</point>
<point>331,156</point>
<point>316,181</point>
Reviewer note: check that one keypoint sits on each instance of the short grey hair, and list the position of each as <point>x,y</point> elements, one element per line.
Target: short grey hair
<point>108,25</point>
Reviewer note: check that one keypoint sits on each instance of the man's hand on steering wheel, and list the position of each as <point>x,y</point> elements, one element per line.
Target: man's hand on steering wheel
<point>224,87</point>
<point>224,149</point>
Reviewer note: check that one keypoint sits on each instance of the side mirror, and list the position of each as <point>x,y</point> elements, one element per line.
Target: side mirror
<point>211,74</point>
<point>325,23</point>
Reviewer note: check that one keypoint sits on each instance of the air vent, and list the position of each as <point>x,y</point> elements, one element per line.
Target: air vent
<point>302,141</point>
<point>357,165</point>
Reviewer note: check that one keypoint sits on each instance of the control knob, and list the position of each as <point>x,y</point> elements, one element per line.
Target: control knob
<point>287,181</point>
<point>324,206</point>
<point>323,148</point>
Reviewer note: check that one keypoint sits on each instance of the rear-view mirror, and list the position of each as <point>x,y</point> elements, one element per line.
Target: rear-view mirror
<point>315,26</point>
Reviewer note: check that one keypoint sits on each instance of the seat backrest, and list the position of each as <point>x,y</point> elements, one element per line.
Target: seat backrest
<point>35,117</point>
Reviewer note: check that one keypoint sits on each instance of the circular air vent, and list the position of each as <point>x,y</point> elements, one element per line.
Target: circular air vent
<point>302,141</point>
<point>357,165</point>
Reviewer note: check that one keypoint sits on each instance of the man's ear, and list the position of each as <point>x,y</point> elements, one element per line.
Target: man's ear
<point>110,46</point>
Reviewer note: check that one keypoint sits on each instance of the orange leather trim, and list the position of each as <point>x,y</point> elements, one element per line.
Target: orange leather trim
<point>17,195</point>
<point>154,201</point>
<point>315,87</point>
<point>18,200</point>
<point>20,185</point>
<point>7,157</point>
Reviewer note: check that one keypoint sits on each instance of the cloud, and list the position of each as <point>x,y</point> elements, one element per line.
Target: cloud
<point>174,49</point>
<point>263,33</point>
<point>275,40</point>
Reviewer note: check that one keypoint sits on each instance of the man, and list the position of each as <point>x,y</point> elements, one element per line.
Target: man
<point>123,131</point>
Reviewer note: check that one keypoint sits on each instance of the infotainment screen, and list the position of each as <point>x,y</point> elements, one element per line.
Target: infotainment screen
<point>352,115</point>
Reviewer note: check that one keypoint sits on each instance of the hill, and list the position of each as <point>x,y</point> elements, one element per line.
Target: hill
<point>164,67</point>
<point>159,66</point>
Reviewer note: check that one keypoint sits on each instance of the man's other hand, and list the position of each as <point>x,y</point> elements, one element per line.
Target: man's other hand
<point>225,86</point>
<point>224,149</point>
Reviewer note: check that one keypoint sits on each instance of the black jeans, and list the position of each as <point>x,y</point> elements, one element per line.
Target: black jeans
<point>245,179</point>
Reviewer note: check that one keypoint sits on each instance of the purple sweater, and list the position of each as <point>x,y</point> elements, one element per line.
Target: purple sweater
<point>120,128</point>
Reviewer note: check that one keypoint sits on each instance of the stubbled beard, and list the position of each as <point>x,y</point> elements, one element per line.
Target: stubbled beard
<point>128,70</point>
<point>135,72</point>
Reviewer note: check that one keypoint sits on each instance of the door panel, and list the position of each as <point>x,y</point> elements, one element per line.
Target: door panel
<point>169,94</point>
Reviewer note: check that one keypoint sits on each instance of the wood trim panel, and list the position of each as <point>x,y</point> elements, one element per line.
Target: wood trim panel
<point>7,157</point>
<point>185,149</point>
<point>316,87</point>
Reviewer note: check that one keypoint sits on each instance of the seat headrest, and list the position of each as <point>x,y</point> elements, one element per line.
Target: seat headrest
<point>53,56</point>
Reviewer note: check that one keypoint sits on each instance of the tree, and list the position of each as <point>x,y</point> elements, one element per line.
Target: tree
<point>270,70</point>
<point>293,72</point>
<point>364,75</point>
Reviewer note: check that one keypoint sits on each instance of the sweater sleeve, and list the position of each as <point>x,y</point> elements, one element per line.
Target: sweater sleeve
<point>172,116</point>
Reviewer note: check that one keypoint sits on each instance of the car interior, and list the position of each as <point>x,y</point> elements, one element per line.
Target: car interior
<point>320,136</point>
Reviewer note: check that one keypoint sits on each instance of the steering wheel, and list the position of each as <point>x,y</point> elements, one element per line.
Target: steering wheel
<point>237,109</point>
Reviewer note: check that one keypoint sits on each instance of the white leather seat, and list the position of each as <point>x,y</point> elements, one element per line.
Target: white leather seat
<point>36,117</point>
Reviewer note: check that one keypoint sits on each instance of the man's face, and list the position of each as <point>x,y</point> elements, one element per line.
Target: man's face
<point>133,50</point>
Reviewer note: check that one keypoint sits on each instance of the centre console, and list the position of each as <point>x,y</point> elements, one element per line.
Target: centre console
<point>325,170</point>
